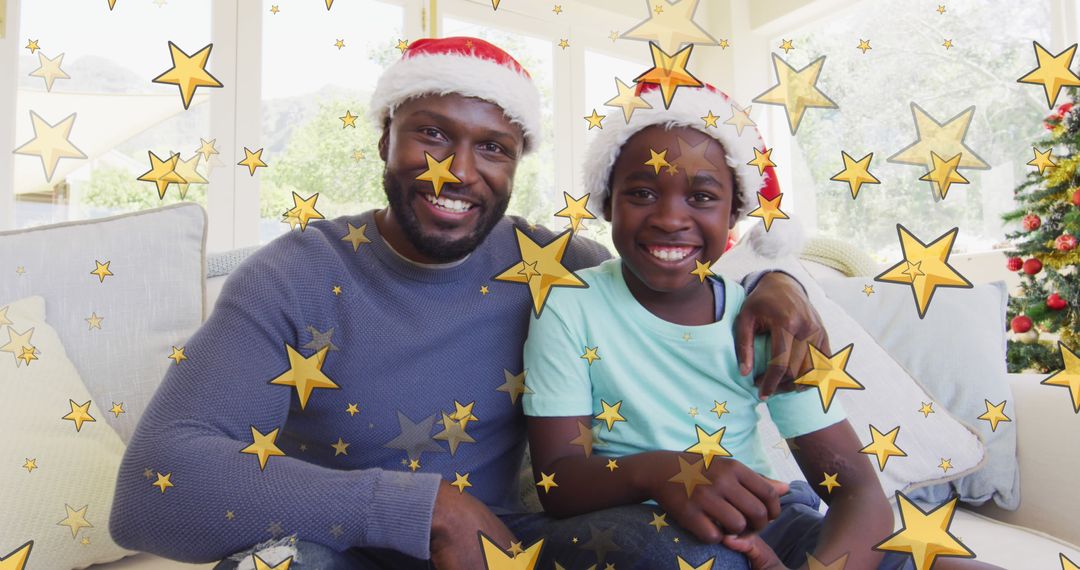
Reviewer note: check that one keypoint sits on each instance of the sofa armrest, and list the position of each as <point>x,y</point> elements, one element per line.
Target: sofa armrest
<point>1049,459</point>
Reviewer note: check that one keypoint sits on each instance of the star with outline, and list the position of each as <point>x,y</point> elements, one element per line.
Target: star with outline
<point>883,446</point>
<point>669,72</point>
<point>207,149</point>
<point>611,414</point>
<point>341,447</point>
<point>927,409</point>
<point>684,565</point>
<point>340,44</point>
<point>720,408</point>
<point>590,354</point>
<point>1053,72</point>
<point>453,433</point>
<point>944,174</point>
<point>946,139</point>
<point>768,210</point>
<point>864,45</point>
<point>30,465</point>
<point>830,481</point>
<point>1066,564</point>
<point>49,70</point>
<point>188,170</point>
<point>261,564</point>
<point>79,413</point>
<point>584,438</point>
<point>438,172</point>
<point>941,9</point>
<point>628,100</point>
<point>659,521</point>
<point>16,559</point>
<point>856,173</point>
<point>557,9</point>
<point>303,210</point>
<point>564,43</point>
<point>796,90</point>
<point>1068,377</point>
<point>924,267</point>
<point>358,155</point>
<point>868,290</point>
<point>461,481</point>
<point>414,438</point>
<point>274,9</point>
<point>740,118</point>
<point>595,120</point>
<point>710,120</point>
<point>356,236</point>
<point>112,4</point>
<point>305,373</point>
<point>117,409</point>
<point>724,44</point>
<point>925,535</point>
<point>402,45</point>
<point>164,481</point>
<point>414,464</point>
<point>693,411</point>
<point>546,265</point>
<point>29,353</point>
<point>177,355</point>
<point>945,464</point>
<point>575,210</point>
<point>188,72</point>
<point>263,446</point>
<point>349,120</point>
<point>547,482</point>
<point>514,385</point>
<point>786,45</point>
<point>18,343</point>
<point>320,339</point>
<point>484,290</point>
<point>690,475</point>
<point>51,143</point>
<point>829,374</point>
<point>1042,160</point>
<point>76,520</point>
<point>162,173</point>
<point>671,28</point>
<point>709,445</point>
<point>947,44</point>
<point>995,413</point>
<point>762,160</point>
<point>496,558</point>
<point>32,45</point>
<point>252,160</point>
<point>702,270</point>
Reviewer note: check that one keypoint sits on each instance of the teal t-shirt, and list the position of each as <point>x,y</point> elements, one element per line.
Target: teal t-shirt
<point>669,377</point>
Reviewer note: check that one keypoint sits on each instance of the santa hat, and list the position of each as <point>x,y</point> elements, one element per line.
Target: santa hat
<point>462,65</point>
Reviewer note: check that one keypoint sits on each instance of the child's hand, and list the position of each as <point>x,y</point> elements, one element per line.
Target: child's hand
<point>758,553</point>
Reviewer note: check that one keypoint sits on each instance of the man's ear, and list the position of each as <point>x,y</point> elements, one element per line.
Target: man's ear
<point>384,141</point>
<point>607,207</point>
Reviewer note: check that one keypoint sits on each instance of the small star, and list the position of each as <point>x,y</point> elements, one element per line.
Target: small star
<point>468,44</point>
<point>102,270</point>
<point>414,464</point>
<point>693,411</point>
<point>463,413</point>
<point>786,45</point>
<point>564,43</point>
<point>740,119</point>
<point>941,9</point>
<point>702,270</point>
<point>944,173</point>
<point>79,413</point>
<point>557,9</point>
<point>995,414</point>
<point>829,374</point>
<point>336,290</point>
<point>30,465</point>
<point>32,45</point>
<point>675,540</point>
<point>85,541</point>
<point>1042,160</point>
<point>690,475</point>
<point>883,446</point>
<point>947,44</point>
<point>614,35</point>
<point>164,481</point>
<point>252,160</point>
<point>20,270</point>
<point>515,549</point>
<point>796,90</point>
<point>659,8</point>
<point>709,445</point>
<point>339,44</point>
<point>94,320</point>
<point>830,481</point>
<point>724,44</point>
<point>669,72</point>
<point>1068,377</point>
<point>590,354</point>
<point>49,70</point>
<point>925,268</point>
<point>340,447</point>
<point>612,465</point>
<point>864,45</point>
<point>76,520</point>
<point>595,120</point>
<point>658,160</point>
<point>547,482</point>
<point>514,385</point>
<point>302,212</point>
<point>1053,72</point>
<point>148,473</point>
<point>687,337</point>
<point>710,120</point>
<point>611,414</point>
<point>574,540</point>
<point>303,447</point>
<point>484,290</point>
<point>658,521</point>
<point>768,209</point>
<point>117,409</point>
<point>576,209</point>
<point>945,464</point>
<point>28,353</point>
<point>720,408</point>
<point>356,236</point>
<point>263,446</point>
<point>177,354</point>
<point>868,290</point>
<point>349,120</point>
<point>927,409</point>
<point>352,410</point>
<point>461,481</point>
<point>402,45</point>
<point>229,515</point>
<point>336,531</point>
<point>358,155</point>
<point>274,9</point>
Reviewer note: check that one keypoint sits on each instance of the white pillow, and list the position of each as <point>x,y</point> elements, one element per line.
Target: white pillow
<point>891,397</point>
<point>74,469</point>
<point>153,301</point>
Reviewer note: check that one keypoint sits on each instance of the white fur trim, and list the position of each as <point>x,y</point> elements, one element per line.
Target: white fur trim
<point>786,238</point>
<point>459,73</point>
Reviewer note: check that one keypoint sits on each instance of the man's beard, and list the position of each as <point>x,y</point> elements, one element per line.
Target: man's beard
<point>434,246</point>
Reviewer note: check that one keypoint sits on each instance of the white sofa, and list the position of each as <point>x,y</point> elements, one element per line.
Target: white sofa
<point>1046,525</point>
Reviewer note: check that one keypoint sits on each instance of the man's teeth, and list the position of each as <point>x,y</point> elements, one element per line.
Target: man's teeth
<point>670,253</point>
<point>457,206</point>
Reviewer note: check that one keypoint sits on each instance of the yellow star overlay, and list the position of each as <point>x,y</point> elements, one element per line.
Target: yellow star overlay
<point>274,9</point>
<point>207,148</point>
<point>944,174</point>
<point>927,409</point>
<point>557,9</point>
<point>856,173</point>
<point>356,236</point>
<point>868,290</point>
<point>263,446</point>
<point>18,344</point>
<point>612,465</point>
<point>590,354</point>
<point>79,413</point>
<point>924,267</point>
<point>658,160</point>
<point>1066,564</point>
<point>28,353</point>
<point>352,409</point>
<point>710,120</point>
<point>627,100</point>
<point>49,70</point>
<point>702,270</point>
<point>438,172</point>
<point>188,72</point>
<point>796,91</point>
<point>947,44</point>
<point>50,143</point>
<point>252,160</point>
<point>177,354</point>
<point>829,374</point>
<point>547,482</point>
<point>830,481</point>
<point>463,413</point>
<point>740,118</point>
<point>162,173</point>
<point>164,481</point>
<point>76,520</point>
<point>261,564</point>
<point>786,45</point>
<point>611,414</point>
<point>117,409</point>
<point>684,565</point>
<point>16,559</point>
<point>946,139</point>
<point>349,120</point>
<point>1069,377</point>
<point>514,384</point>
<point>925,535</point>
<point>454,433</point>
<point>575,210</point>
<point>768,210</point>
<point>995,413</point>
<point>32,45</point>
<point>709,445</point>
<point>945,464</point>
<point>1042,160</point>
<point>564,43</point>
<point>340,44</point>
<point>669,72</point>
<point>672,27</point>
<point>815,564</point>
<point>690,475</point>
<point>305,373</point>
<point>341,447</point>
<point>692,158</point>
<point>484,290</point>
<point>864,45</point>
<point>496,558</point>
<point>187,169</point>
<point>595,120</point>
<point>584,439</point>
<point>941,9</point>
<point>1053,72</point>
<point>30,465</point>
<point>402,45</point>
<point>461,481</point>
<point>883,446</point>
<point>303,211</point>
<point>541,268</point>
<point>720,408</point>
<point>762,160</point>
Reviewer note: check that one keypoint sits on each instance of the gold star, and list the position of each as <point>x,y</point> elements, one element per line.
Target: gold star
<point>945,139</point>
<point>611,414</point>
<point>883,446</point>
<point>164,481</point>
<point>927,409</point>
<point>16,559</point>
<point>304,210</point>
<point>1042,160</point>
<point>829,374</point>
<point>117,409</point>
<point>995,414</point>
<point>496,558</point>
<point>329,3</point>
<point>669,72</point>
<point>590,354</point>
<point>177,355</point>
<point>786,45</point>
<point>830,481</point>
<point>547,482</point>
<point>856,173</point>
<point>28,353</point>
<point>162,173</point>
<point>461,481</point>
<point>463,413</point>
<point>684,565</point>
<point>274,9</point>
<point>628,100</point>
<point>305,373</point>
<point>438,172</point>
<point>933,265</point>
<point>925,535</point>
<point>515,548</point>
<point>352,409</point>
<point>690,475</point>
<point>1066,564</point>
<point>658,521</point>
<point>263,446</point>
<point>815,564</point>
<point>740,119</point>
<point>340,448</point>
<point>252,160</point>
<point>659,8</point>
<point>349,120</point>
<point>514,385</point>
<point>49,70</point>
<point>1068,377</point>
<point>207,149</point>
<point>944,174</point>
<point>484,290</point>
<point>557,9</point>
<point>595,120</point>
<point>79,413</point>
<point>30,465</point>
<point>673,169</point>
<point>864,45</point>
<point>575,209</point>
<point>941,9</point>
<point>564,43</point>
<point>710,119</point>
<point>261,564</point>
<point>356,236</point>
<point>702,270</point>
<point>414,464</point>
<point>693,411</point>
<point>20,270</point>
<point>768,210</point>
<point>32,45</point>
<point>18,343</point>
<point>188,72</point>
<point>945,464</point>
<point>358,155</point>
<point>671,28</point>
<point>948,44</point>
<point>612,465</point>
<point>402,45</point>
<point>340,44</point>
<point>658,160</point>
<point>50,143</point>
<point>584,438</point>
<point>76,520</point>
<point>762,160</point>
<point>186,169</point>
<point>336,290</point>
<point>454,433</point>
<point>868,290</point>
<point>112,4</point>
<point>709,445</point>
<point>720,408</point>
<point>796,91</point>
<point>547,260</point>
<point>1053,72</point>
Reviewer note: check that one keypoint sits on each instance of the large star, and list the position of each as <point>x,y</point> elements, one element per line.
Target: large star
<point>252,160</point>
<point>545,263</point>
<point>1053,72</point>
<point>944,174</point>
<point>671,27</point>
<point>263,446</point>
<point>692,157</point>
<point>305,373</point>
<point>303,210</point>
<point>709,445</point>
<point>628,100</point>
<point>162,173</point>
<point>1069,377</point>
<point>856,173</point>
<point>16,559</point>
<point>438,172</point>
<point>946,139</point>
<point>414,438</point>
<point>883,446</point>
<point>49,70</point>
<point>669,72</point>
<point>925,535</point>
<point>611,414</point>
<point>188,72</point>
<point>18,343</point>
<point>924,267</point>
<point>829,374</point>
<point>454,433</point>
<point>768,210</point>
<point>50,143</point>
<point>1042,160</point>
<point>79,413</point>
<point>576,210</point>
<point>496,558</point>
<point>797,90</point>
<point>76,520</point>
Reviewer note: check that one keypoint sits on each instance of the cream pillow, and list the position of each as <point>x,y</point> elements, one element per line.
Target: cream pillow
<point>49,472</point>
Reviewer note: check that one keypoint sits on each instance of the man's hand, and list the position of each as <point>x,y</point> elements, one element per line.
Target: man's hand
<point>455,543</point>
<point>779,306</point>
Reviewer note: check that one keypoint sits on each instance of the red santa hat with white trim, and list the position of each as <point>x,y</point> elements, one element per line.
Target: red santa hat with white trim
<point>462,65</point>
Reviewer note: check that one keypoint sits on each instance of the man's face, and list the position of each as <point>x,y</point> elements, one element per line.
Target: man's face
<point>486,148</point>
<point>662,222</point>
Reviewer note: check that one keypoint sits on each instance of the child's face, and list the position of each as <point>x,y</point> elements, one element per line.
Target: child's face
<point>662,222</point>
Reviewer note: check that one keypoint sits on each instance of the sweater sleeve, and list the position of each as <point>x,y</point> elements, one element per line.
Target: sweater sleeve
<point>202,416</point>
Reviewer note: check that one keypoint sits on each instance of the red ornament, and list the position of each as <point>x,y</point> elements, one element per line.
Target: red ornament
<point>1032,266</point>
<point>1065,242</point>
<point>1055,303</point>
<point>1014,264</point>
<point>1021,324</point>
<point>1076,197</point>
<point>1031,222</point>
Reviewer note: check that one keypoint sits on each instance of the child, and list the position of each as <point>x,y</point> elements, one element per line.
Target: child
<point>648,348</point>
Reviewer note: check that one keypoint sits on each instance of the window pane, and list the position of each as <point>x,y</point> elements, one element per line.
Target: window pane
<point>110,58</point>
<point>308,84</point>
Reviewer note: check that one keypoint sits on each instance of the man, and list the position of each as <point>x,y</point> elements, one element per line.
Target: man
<point>355,394</point>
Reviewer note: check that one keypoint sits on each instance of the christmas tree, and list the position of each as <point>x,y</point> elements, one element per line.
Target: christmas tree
<point>1045,248</point>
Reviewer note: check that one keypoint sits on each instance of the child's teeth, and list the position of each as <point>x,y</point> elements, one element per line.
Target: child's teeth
<point>670,254</point>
